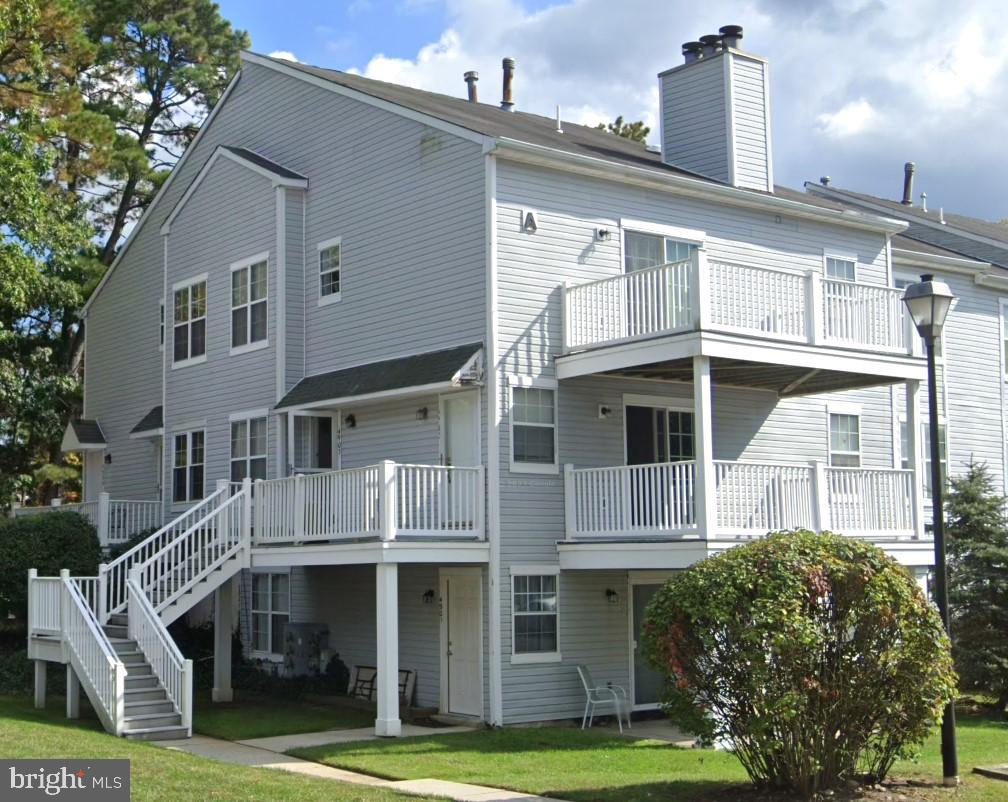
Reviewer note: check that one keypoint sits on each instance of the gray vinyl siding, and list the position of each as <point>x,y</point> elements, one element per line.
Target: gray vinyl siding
<point>693,119</point>
<point>204,241</point>
<point>296,266</point>
<point>752,146</point>
<point>390,430</point>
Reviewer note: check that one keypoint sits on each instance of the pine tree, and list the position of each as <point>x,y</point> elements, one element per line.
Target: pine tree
<point>635,131</point>
<point>978,582</point>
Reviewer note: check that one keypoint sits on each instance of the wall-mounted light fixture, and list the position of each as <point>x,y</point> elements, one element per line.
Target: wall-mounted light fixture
<point>428,597</point>
<point>108,459</point>
<point>421,414</point>
<point>603,234</point>
<point>604,411</point>
<point>350,421</point>
<point>611,596</point>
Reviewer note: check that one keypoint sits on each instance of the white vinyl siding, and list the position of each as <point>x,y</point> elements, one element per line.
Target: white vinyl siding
<point>188,461</point>
<point>845,440</point>
<point>189,322</point>
<point>249,303</point>
<point>270,612</point>
<point>330,255</point>
<point>248,448</point>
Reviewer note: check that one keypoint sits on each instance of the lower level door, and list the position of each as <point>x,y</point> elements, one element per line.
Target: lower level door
<point>461,640</point>
<point>647,683</point>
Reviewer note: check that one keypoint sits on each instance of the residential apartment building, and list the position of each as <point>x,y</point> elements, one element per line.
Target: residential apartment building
<point>464,385</point>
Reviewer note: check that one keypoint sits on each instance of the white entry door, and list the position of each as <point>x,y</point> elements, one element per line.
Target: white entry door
<point>93,467</point>
<point>460,447</point>
<point>461,642</point>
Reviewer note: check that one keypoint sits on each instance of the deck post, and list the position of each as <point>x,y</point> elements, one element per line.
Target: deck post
<point>820,497</point>
<point>387,592</point>
<point>700,289</point>
<point>914,456</point>
<point>703,411</point>
<point>247,523</point>
<point>570,503</point>
<point>299,507</point>
<point>565,343</point>
<point>72,692</point>
<point>40,683</point>
<point>102,601</point>
<point>223,615</point>
<point>813,307</point>
<point>387,499</point>
<point>104,519</point>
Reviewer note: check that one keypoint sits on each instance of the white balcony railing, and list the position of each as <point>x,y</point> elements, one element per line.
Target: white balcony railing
<point>750,499</point>
<point>385,501</point>
<point>115,520</point>
<point>702,294</point>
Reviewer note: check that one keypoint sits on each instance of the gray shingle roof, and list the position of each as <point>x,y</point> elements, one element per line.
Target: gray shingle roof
<point>263,162</point>
<point>150,422</point>
<point>88,432</point>
<point>375,377</point>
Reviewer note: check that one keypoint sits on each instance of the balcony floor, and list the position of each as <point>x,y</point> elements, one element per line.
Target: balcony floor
<point>444,551</point>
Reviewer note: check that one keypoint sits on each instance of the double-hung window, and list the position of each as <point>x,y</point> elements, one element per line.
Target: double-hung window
<point>187,466</point>
<point>270,612</point>
<point>248,303</point>
<point>533,429</point>
<point>189,310</point>
<point>329,258</point>
<point>534,616</point>
<point>844,440</point>
<point>248,448</point>
<point>924,443</point>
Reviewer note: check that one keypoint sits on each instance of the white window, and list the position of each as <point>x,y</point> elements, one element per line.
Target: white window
<point>329,257</point>
<point>901,282</point>
<point>187,466</point>
<point>844,440</point>
<point>189,321</point>
<point>533,429</point>
<point>248,448</point>
<point>641,251</point>
<point>270,612</point>
<point>248,303</point>
<point>313,443</point>
<point>841,268</point>
<point>534,615</point>
<point>924,443</point>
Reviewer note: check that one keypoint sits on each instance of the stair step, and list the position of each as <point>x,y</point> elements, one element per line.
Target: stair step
<point>146,720</point>
<point>139,682</point>
<point>154,693</point>
<point>117,631</point>
<point>138,670</point>
<point>122,646</point>
<point>132,658</point>
<point>118,619</point>
<point>145,707</point>
<point>157,734</point>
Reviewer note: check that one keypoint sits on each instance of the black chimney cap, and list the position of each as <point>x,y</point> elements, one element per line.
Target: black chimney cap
<point>711,40</point>
<point>731,30</point>
<point>692,47</point>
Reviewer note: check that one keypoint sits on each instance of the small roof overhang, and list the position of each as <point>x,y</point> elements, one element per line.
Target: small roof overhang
<point>83,435</point>
<point>430,372</point>
<point>151,425</point>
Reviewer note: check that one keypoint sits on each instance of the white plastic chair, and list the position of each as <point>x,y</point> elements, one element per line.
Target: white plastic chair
<point>603,695</point>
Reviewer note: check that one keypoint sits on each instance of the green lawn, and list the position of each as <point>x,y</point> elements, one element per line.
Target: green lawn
<point>597,766</point>
<point>251,716</point>
<point>159,775</point>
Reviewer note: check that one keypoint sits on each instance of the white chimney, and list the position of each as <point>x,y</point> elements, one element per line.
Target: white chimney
<point>715,112</point>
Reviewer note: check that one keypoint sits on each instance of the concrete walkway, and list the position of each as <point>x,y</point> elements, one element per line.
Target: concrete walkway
<point>267,753</point>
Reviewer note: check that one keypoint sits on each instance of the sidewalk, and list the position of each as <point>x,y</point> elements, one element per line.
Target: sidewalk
<point>267,753</point>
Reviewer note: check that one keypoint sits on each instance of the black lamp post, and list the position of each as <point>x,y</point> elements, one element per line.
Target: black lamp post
<point>929,302</point>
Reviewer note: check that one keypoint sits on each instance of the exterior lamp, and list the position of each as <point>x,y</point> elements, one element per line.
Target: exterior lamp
<point>929,302</point>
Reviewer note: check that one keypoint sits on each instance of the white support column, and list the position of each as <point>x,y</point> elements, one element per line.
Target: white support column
<point>387,585</point>
<point>703,413</point>
<point>820,497</point>
<point>387,499</point>
<point>915,455</point>
<point>570,503</point>
<point>40,683</point>
<point>700,289</point>
<point>72,693</point>
<point>223,627</point>
<point>104,509</point>
<point>813,307</point>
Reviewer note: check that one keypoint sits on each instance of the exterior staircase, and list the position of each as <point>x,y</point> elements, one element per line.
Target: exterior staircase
<point>113,628</point>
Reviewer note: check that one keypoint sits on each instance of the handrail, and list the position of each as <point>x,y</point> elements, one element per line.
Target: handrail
<point>654,269</point>
<point>171,668</point>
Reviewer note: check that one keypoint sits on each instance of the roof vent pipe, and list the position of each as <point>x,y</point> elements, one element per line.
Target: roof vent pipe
<point>691,51</point>
<point>711,44</point>
<point>507,102</point>
<point>924,202</point>
<point>908,172</point>
<point>730,35</point>
<point>824,180</point>
<point>471,78</point>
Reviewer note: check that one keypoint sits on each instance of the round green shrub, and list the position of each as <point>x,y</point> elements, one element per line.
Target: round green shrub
<point>48,542</point>
<point>816,658</point>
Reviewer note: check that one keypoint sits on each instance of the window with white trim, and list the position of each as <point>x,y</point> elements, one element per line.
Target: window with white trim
<point>839,268</point>
<point>248,304</point>
<point>270,611</point>
<point>924,443</point>
<point>901,282</point>
<point>329,258</point>
<point>533,427</point>
<point>248,449</point>
<point>534,613</point>
<point>641,251</point>
<point>187,465</point>
<point>189,322</point>
<point>844,440</point>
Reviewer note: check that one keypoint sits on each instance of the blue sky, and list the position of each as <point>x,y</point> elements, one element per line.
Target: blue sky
<point>858,87</point>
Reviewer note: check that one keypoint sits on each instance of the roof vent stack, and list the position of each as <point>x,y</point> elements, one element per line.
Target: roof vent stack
<point>825,180</point>
<point>711,44</point>
<point>471,78</point>
<point>507,100</point>
<point>924,202</point>
<point>908,174</point>
<point>692,51</point>
<point>730,36</point>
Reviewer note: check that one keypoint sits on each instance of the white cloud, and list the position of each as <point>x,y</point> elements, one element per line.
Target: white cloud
<point>852,119</point>
<point>286,55</point>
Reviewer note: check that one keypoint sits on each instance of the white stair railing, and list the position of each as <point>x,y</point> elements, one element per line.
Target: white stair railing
<point>115,573</point>
<point>93,659</point>
<point>172,669</point>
